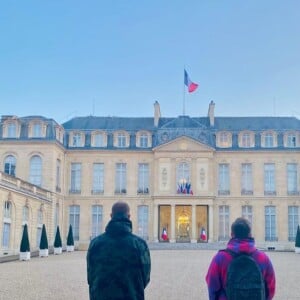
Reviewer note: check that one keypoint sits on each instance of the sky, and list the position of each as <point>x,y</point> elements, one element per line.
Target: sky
<point>63,59</point>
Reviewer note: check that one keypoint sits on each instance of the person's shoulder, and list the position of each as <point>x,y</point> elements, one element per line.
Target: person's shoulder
<point>139,240</point>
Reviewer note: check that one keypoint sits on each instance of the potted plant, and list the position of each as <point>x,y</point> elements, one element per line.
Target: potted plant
<point>297,241</point>
<point>44,251</point>
<point>57,242</point>
<point>70,240</point>
<point>25,246</point>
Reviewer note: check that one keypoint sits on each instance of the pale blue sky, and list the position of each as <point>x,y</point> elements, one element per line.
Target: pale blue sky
<point>62,59</point>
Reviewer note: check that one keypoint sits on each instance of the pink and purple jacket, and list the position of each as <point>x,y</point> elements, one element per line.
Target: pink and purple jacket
<point>217,271</point>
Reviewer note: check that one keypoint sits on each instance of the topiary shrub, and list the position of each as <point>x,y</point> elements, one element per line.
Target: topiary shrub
<point>297,241</point>
<point>25,246</point>
<point>70,239</point>
<point>57,240</point>
<point>44,240</point>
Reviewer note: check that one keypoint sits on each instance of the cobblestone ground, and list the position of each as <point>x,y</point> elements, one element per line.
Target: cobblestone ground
<point>176,274</point>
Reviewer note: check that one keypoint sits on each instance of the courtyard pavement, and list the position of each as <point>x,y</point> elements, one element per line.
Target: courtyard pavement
<point>177,274</point>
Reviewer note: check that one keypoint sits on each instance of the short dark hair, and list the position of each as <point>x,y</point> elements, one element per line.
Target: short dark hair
<point>120,209</point>
<point>241,228</point>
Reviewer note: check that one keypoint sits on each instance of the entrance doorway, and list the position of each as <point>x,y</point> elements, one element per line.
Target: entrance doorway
<point>183,217</point>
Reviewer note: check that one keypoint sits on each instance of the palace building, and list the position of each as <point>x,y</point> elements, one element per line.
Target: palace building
<point>186,179</point>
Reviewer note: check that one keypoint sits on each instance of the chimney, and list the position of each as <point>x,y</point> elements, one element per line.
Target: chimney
<point>211,113</point>
<point>156,113</point>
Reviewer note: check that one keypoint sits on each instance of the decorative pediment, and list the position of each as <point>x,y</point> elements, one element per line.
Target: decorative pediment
<point>183,144</point>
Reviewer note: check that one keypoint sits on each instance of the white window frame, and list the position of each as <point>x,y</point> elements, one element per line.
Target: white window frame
<point>75,180</point>
<point>143,222</point>
<point>98,178</point>
<point>224,233</point>
<point>121,178</point>
<point>224,179</point>
<point>143,178</point>
<point>97,220</point>
<point>35,171</point>
<point>10,163</point>
<point>270,223</point>
<point>74,220</point>
<point>247,179</point>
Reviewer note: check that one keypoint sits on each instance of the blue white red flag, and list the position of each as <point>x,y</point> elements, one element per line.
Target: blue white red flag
<point>192,86</point>
<point>203,234</point>
<point>164,234</point>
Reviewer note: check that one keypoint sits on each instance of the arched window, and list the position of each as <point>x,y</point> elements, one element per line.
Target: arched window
<point>10,165</point>
<point>35,175</point>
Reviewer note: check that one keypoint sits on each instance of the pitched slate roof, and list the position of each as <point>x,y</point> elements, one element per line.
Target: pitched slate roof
<point>256,123</point>
<point>109,123</point>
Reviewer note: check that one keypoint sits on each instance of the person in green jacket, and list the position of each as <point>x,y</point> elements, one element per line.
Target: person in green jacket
<point>118,262</point>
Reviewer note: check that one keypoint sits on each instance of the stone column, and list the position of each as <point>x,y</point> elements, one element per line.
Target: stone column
<point>194,227</point>
<point>172,237</point>
<point>155,223</point>
<point>211,222</point>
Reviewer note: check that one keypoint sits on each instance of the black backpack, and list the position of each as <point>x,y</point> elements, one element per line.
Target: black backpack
<point>244,278</point>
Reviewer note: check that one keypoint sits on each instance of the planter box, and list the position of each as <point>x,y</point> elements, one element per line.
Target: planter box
<point>58,250</point>
<point>24,255</point>
<point>44,252</point>
<point>70,248</point>
<point>297,250</point>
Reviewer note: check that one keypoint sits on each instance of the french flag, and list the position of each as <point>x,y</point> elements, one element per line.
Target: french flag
<point>203,234</point>
<point>192,86</point>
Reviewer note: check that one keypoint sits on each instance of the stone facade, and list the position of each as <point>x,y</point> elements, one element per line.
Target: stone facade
<point>182,176</point>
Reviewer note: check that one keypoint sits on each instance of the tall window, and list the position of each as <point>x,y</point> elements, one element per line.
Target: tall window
<point>247,180</point>
<point>269,140</point>
<point>291,140</point>
<point>58,174</point>
<point>25,215</point>
<point>293,221</point>
<point>183,178</point>
<point>74,218</point>
<point>223,222</point>
<point>6,235</point>
<point>7,209</point>
<point>247,213</point>
<point>269,178</point>
<point>36,130</point>
<point>143,215</point>
<point>224,182</point>
<point>292,179</point>
<point>97,216</point>
<point>143,178</point>
<point>35,175</point>
<point>10,165</point>
<point>98,178</point>
<point>77,140</point>
<point>121,178</point>
<point>75,178</point>
<point>39,227</point>
<point>270,223</point>
<point>56,216</point>
<point>143,140</point>
<point>121,140</point>
<point>246,140</point>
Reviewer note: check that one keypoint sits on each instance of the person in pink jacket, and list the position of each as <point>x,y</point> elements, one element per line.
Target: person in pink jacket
<point>241,242</point>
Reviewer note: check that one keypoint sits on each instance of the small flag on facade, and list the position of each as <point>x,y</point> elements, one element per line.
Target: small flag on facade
<point>192,86</point>
<point>203,234</point>
<point>164,234</point>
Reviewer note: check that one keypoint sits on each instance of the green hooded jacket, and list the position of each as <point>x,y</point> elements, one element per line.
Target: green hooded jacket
<point>118,263</point>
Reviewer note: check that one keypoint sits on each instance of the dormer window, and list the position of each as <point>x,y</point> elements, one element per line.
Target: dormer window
<point>121,140</point>
<point>291,140</point>
<point>99,139</point>
<point>246,139</point>
<point>37,130</point>
<point>11,130</point>
<point>224,139</point>
<point>268,140</point>
<point>143,139</point>
<point>76,139</point>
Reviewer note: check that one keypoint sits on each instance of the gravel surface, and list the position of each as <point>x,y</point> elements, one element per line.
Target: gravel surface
<point>177,274</point>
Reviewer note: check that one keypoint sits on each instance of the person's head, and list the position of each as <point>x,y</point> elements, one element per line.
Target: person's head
<point>120,210</point>
<point>241,229</point>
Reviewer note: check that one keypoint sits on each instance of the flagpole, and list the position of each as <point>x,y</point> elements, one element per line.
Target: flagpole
<point>183,103</point>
